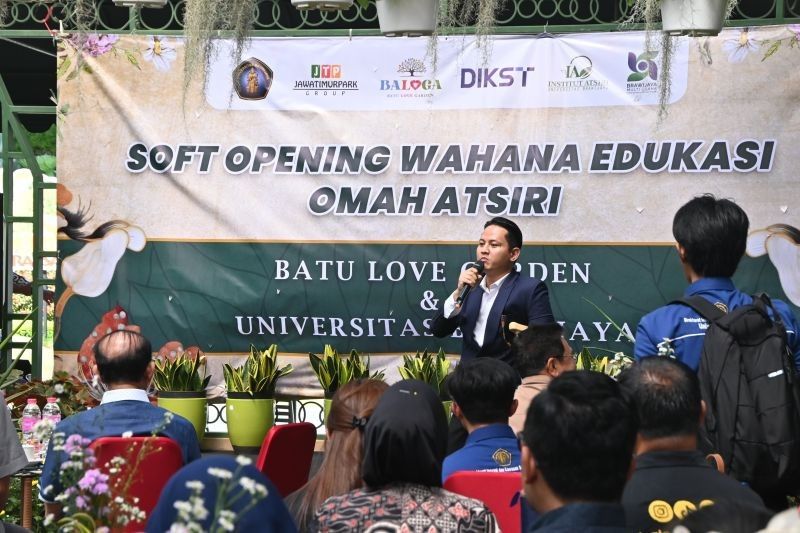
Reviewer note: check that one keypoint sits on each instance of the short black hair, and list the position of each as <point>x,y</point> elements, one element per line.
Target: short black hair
<point>484,389</point>
<point>534,346</point>
<point>581,431</point>
<point>122,356</point>
<point>713,232</point>
<point>514,233</point>
<point>666,396</point>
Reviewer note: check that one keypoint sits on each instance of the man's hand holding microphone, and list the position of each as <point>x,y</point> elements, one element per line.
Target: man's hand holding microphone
<point>468,279</point>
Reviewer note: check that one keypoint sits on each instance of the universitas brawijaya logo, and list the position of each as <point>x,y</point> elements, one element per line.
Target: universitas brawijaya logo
<point>644,72</point>
<point>410,81</point>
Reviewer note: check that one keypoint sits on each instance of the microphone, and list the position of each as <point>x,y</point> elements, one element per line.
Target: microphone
<point>464,291</point>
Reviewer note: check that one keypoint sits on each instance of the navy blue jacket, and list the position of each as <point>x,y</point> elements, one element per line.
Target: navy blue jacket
<point>521,299</point>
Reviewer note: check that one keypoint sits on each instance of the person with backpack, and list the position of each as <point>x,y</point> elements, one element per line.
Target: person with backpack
<point>745,349</point>
<point>712,236</point>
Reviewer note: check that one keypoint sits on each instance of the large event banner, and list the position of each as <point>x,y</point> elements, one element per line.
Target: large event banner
<point>329,190</point>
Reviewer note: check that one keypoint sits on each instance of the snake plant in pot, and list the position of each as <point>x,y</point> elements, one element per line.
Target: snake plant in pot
<point>431,368</point>
<point>250,406</point>
<point>181,384</point>
<point>333,371</point>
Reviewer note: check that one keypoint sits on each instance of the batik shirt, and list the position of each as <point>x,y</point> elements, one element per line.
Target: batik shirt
<point>403,507</point>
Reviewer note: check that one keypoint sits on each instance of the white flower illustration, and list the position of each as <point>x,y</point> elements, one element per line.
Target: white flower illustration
<point>737,49</point>
<point>160,52</point>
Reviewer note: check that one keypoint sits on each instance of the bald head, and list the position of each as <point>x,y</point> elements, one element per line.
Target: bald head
<point>666,394</point>
<point>123,357</point>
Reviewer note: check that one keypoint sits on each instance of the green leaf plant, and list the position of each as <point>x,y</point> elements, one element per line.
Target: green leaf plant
<point>428,367</point>
<point>182,374</point>
<point>258,375</point>
<point>333,370</point>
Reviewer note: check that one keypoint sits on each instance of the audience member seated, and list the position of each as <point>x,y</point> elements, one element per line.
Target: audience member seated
<point>482,390</point>
<point>12,459</point>
<point>577,448</point>
<point>340,471</point>
<point>671,477</point>
<point>541,353</point>
<point>404,445</point>
<point>124,362</point>
<point>220,493</point>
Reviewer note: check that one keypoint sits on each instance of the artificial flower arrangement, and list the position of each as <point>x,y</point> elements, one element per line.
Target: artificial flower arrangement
<point>93,498</point>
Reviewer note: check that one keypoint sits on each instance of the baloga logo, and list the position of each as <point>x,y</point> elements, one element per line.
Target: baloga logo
<point>494,77</point>
<point>412,68</point>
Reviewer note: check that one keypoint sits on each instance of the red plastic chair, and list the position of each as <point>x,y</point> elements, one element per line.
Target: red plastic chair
<point>498,490</point>
<point>286,454</point>
<point>160,460</point>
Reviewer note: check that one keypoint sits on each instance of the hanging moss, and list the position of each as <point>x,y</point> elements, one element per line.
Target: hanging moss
<point>206,20</point>
<point>455,16</point>
<point>649,12</point>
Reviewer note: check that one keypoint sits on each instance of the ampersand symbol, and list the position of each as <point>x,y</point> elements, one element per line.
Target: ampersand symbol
<point>428,303</point>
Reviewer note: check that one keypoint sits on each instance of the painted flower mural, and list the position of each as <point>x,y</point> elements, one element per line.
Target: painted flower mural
<point>161,52</point>
<point>89,271</point>
<point>781,243</point>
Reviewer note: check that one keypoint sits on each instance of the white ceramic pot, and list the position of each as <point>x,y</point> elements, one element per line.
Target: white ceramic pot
<point>410,18</point>
<point>692,17</point>
<point>322,5</point>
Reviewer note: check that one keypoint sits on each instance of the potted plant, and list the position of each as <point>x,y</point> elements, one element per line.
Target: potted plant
<point>250,406</point>
<point>430,368</point>
<point>333,371</point>
<point>181,384</point>
<point>695,18</point>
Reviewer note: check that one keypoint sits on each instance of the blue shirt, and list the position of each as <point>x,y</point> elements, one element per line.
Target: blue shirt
<point>113,418</point>
<point>492,448</point>
<point>583,517</point>
<point>685,330</point>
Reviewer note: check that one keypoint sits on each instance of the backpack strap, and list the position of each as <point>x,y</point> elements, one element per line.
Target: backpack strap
<point>715,460</point>
<point>703,307</point>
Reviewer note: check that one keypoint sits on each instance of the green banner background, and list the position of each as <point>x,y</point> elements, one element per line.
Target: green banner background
<point>192,292</point>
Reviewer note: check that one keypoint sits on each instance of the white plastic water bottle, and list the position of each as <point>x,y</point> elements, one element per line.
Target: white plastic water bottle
<point>30,416</point>
<point>51,411</point>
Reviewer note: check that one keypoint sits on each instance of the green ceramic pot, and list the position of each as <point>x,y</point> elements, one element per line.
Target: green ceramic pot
<point>448,409</point>
<point>190,405</point>
<point>326,410</point>
<point>249,419</point>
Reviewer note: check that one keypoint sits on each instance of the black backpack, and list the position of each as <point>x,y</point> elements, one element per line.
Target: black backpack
<point>750,386</point>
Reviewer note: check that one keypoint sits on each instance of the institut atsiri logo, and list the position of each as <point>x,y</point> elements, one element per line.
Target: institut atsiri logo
<point>577,76</point>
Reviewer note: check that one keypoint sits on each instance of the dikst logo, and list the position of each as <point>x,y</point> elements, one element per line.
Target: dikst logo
<point>411,84</point>
<point>326,71</point>
<point>479,78</point>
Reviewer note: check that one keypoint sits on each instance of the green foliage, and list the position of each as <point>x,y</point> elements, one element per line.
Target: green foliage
<point>333,370</point>
<point>258,375</point>
<point>181,374</point>
<point>12,513</point>
<point>427,367</point>
<point>608,364</point>
<point>72,395</point>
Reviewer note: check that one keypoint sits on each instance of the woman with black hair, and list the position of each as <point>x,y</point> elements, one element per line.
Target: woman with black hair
<point>405,442</point>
